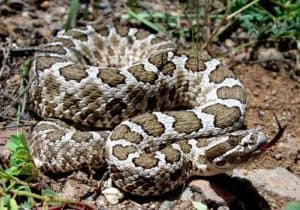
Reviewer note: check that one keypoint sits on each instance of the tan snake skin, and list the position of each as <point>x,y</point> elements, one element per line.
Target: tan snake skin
<point>153,113</point>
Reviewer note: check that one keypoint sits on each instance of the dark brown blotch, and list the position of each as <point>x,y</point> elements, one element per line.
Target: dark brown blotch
<point>115,107</point>
<point>224,116</point>
<point>111,76</point>
<point>195,64</point>
<point>171,155</point>
<point>82,136</point>
<point>141,34</point>
<point>184,146</point>
<point>185,122</point>
<point>159,60</point>
<point>46,62</point>
<point>235,92</point>
<point>217,150</point>
<point>139,72</point>
<point>122,152</point>
<point>220,74</point>
<point>169,68</point>
<point>123,132</point>
<point>77,35</point>
<point>74,72</point>
<point>146,161</point>
<point>150,124</point>
<point>52,86</point>
<point>122,30</point>
<point>55,135</point>
<point>97,42</point>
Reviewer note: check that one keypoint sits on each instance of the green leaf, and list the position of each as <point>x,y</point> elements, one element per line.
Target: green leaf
<point>199,206</point>
<point>21,155</point>
<point>293,206</point>
<point>71,18</point>
<point>16,141</point>
<point>148,23</point>
<point>13,204</point>
<point>4,202</point>
<point>13,143</point>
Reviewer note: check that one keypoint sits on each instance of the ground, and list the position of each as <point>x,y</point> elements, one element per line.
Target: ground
<point>269,93</point>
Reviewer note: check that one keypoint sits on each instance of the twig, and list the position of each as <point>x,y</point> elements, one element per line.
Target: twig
<point>16,52</point>
<point>48,199</point>
<point>4,61</point>
<point>15,179</point>
<point>241,9</point>
<point>24,73</point>
<point>4,94</point>
<point>15,100</point>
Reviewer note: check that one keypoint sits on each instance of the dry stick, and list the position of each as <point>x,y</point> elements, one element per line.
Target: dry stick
<point>4,94</point>
<point>4,61</point>
<point>22,51</point>
<point>15,100</point>
<point>214,34</point>
<point>47,199</point>
<point>15,179</point>
<point>24,73</point>
<point>241,10</point>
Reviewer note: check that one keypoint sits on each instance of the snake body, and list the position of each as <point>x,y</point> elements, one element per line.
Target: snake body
<point>154,114</point>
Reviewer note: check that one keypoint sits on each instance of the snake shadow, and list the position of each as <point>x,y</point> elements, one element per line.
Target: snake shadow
<point>246,196</point>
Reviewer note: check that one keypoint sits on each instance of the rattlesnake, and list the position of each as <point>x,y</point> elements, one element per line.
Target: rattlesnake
<point>154,113</point>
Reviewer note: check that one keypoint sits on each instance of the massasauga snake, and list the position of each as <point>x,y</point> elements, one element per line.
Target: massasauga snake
<point>154,114</point>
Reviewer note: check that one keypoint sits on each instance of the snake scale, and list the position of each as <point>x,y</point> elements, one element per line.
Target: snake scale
<point>124,98</point>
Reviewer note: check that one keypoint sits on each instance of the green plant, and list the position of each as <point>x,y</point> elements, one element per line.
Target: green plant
<point>72,13</point>
<point>270,20</point>
<point>21,170</point>
<point>17,189</point>
<point>265,21</point>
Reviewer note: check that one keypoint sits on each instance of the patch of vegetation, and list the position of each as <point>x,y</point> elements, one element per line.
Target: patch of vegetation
<point>269,20</point>
<point>265,21</point>
<point>18,183</point>
<point>14,180</point>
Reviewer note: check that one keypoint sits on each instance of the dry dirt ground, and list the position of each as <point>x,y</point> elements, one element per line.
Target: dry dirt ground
<point>269,93</point>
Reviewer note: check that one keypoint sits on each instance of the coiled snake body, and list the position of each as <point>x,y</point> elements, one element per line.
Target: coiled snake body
<point>154,114</point>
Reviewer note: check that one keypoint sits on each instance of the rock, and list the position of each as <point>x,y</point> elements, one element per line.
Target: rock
<point>279,181</point>
<point>113,195</point>
<point>74,189</point>
<point>212,192</point>
<point>223,208</point>
<point>269,54</point>
<point>229,43</point>
<point>166,205</point>
<point>176,205</point>
<point>187,194</point>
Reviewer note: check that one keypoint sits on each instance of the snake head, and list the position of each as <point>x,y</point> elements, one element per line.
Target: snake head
<point>226,153</point>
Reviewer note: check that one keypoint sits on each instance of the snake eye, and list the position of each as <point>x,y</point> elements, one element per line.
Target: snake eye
<point>221,162</point>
